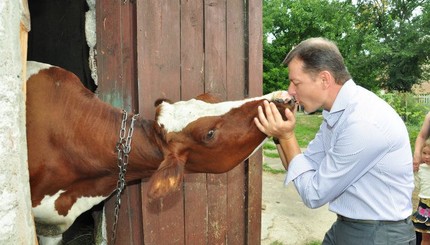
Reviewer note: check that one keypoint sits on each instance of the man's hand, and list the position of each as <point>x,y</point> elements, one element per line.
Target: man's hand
<point>270,121</point>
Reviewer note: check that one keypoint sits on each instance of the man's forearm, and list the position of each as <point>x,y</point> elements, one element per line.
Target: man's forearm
<point>288,148</point>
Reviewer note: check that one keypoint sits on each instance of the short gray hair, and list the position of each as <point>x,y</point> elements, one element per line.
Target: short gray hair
<point>319,54</point>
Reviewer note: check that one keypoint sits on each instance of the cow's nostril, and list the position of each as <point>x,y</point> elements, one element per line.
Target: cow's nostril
<point>292,101</point>
<point>279,100</point>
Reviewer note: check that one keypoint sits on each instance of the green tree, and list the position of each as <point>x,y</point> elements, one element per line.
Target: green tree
<point>385,43</point>
<point>287,22</point>
<point>399,32</point>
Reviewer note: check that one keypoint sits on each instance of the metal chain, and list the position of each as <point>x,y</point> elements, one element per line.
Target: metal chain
<point>123,148</point>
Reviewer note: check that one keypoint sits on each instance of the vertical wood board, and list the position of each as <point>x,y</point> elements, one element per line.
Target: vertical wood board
<point>255,83</point>
<point>192,84</point>
<point>116,62</point>
<point>159,76</point>
<point>178,50</point>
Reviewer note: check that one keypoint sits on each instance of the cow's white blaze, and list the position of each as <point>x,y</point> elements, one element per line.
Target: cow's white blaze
<point>177,116</point>
<point>47,214</point>
<point>34,67</point>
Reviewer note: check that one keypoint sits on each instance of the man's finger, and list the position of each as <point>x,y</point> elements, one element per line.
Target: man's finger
<point>261,117</point>
<point>296,107</point>
<point>275,113</point>
<point>268,111</point>
<point>290,116</point>
<point>259,126</point>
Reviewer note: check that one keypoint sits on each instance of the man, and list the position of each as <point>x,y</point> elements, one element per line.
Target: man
<point>360,161</point>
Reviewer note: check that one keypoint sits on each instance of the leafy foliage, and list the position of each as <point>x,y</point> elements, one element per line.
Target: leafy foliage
<point>385,44</point>
<point>407,107</point>
<point>412,112</point>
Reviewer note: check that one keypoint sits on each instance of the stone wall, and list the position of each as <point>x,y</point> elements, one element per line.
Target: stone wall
<point>16,222</point>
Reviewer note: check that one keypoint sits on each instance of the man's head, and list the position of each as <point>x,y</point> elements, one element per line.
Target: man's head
<point>316,73</point>
<point>319,54</point>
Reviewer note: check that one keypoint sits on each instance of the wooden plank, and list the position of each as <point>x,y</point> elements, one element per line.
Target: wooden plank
<point>110,88</point>
<point>163,219</point>
<point>255,77</point>
<point>116,71</point>
<point>237,85</point>
<point>133,234</point>
<point>24,28</point>
<point>196,216</point>
<point>158,49</point>
<point>215,47</point>
<point>159,69</point>
<point>254,194</point>
<point>128,54</point>
<point>255,47</point>
<point>236,45</point>
<point>192,84</point>
<point>192,49</point>
<point>116,58</point>
<point>236,206</point>
<point>215,82</point>
<point>129,227</point>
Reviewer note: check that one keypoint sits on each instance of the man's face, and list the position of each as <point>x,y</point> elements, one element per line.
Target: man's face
<point>307,89</point>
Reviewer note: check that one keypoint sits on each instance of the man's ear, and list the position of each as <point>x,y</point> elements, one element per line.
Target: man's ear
<point>167,178</point>
<point>326,78</point>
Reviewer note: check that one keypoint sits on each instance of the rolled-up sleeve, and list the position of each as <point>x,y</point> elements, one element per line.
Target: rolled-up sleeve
<point>297,167</point>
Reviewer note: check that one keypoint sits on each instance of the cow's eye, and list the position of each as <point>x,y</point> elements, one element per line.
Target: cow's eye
<point>210,135</point>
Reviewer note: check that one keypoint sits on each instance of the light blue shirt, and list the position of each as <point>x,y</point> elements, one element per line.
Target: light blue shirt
<point>360,161</point>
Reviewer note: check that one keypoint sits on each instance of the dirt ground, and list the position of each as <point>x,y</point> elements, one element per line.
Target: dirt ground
<point>285,219</point>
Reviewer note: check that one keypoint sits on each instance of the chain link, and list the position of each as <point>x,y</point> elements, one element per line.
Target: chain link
<point>123,148</point>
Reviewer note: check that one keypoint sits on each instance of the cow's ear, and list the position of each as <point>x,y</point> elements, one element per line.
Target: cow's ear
<point>167,178</point>
<point>161,100</point>
<point>209,98</point>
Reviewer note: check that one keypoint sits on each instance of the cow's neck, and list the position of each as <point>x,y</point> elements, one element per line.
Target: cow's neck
<point>145,155</point>
<point>90,140</point>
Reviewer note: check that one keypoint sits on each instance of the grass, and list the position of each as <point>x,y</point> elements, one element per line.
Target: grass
<point>276,243</point>
<point>306,127</point>
<point>269,146</point>
<point>314,243</point>
<point>271,154</point>
<point>413,133</point>
<point>309,243</point>
<point>267,168</point>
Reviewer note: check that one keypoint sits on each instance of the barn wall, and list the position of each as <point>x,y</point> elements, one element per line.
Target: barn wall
<point>178,49</point>
<point>15,208</point>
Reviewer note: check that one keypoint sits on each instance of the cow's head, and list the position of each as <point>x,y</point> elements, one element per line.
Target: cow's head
<point>201,135</point>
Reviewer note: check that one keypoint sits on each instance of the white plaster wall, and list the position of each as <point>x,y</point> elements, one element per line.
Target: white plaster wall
<point>16,223</point>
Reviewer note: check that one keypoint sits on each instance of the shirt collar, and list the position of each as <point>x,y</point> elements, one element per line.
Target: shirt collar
<point>340,103</point>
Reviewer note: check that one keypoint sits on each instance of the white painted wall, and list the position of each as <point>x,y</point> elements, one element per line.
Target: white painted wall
<point>16,223</point>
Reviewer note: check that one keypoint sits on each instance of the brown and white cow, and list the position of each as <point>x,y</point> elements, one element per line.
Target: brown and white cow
<point>72,137</point>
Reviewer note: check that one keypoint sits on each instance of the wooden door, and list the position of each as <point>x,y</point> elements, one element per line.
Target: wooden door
<point>178,50</point>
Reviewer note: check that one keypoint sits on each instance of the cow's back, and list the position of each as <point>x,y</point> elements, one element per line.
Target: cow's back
<point>58,110</point>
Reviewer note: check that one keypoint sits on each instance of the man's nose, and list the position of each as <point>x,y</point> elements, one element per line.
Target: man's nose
<point>292,89</point>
